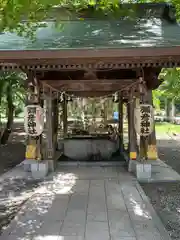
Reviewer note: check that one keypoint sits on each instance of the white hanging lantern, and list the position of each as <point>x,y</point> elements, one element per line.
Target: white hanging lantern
<point>33,120</point>
<point>69,98</point>
<point>144,119</point>
<point>62,97</point>
<point>115,97</point>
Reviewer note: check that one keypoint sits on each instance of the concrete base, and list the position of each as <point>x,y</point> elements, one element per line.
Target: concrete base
<point>39,170</point>
<point>143,171</point>
<point>27,164</point>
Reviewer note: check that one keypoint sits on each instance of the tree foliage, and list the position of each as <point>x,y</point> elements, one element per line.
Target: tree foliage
<point>170,88</point>
<point>14,12</point>
<point>12,97</point>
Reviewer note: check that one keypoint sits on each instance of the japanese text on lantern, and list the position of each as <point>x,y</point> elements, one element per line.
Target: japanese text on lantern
<point>144,119</point>
<point>31,120</point>
<point>145,122</point>
<point>34,120</point>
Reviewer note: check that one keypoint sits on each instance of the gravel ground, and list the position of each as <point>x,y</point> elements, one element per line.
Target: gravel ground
<point>165,197</point>
<point>11,155</point>
<point>13,194</point>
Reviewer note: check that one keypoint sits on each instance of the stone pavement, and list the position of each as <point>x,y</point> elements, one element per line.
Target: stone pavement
<point>87,203</point>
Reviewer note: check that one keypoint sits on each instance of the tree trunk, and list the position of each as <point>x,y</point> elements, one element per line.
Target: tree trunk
<point>10,117</point>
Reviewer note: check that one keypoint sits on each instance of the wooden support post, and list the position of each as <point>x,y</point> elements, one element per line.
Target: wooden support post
<point>143,147</point>
<point>33,146</point>
<point>148,148</point>
<point>49,127</point>
<point>105,111</point>
<point>56,113</point>
<point>152,153</point>
<point>128,117</point>
<point>131,130</point>
<point>65,116</point>
<point>120,126</point>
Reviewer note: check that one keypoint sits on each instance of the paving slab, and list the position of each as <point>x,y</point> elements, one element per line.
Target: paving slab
<point>123,238</point>
<point>97,230</point>
<point>87,203</point>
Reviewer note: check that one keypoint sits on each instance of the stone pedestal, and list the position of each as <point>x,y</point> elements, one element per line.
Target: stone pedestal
<point>143,171</point>
<point>27,164</point>
<point>39,170</point>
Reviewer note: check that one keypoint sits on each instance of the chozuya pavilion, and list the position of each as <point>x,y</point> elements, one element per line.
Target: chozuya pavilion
<point>87,63</point>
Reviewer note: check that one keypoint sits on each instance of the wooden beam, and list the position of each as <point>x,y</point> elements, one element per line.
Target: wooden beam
<point>91,93</point>
<point>88,85</point>
<point>35,56</point>
<point>60,82</point>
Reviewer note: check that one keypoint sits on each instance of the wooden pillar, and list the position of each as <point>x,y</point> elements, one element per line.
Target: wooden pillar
<point>49,126</point>
<point>55,121</point>
<point>129,122</point>
<point>56,114</point>
<point>64,115</point>
<point>105,111</point>
<point>152,153</point>
<point>120,126</point>
<point>33,146</point>
<point>49,144</point>
<point>131,130</point>
<point>85,114</point>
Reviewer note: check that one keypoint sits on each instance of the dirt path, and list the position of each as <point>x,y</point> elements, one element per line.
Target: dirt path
<point>13,153</point>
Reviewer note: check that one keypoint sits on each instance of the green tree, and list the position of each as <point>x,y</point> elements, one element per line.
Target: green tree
<point>169,89</point>
<point>171,86</point>
<point>12,95</point>
<point>156,99</point>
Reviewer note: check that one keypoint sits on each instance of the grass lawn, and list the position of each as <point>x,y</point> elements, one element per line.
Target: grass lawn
<point>167,127</point>
<point>162,128</point>
<point>16,120</point>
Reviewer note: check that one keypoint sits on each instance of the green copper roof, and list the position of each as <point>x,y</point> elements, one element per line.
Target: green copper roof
<point>141,31</point>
